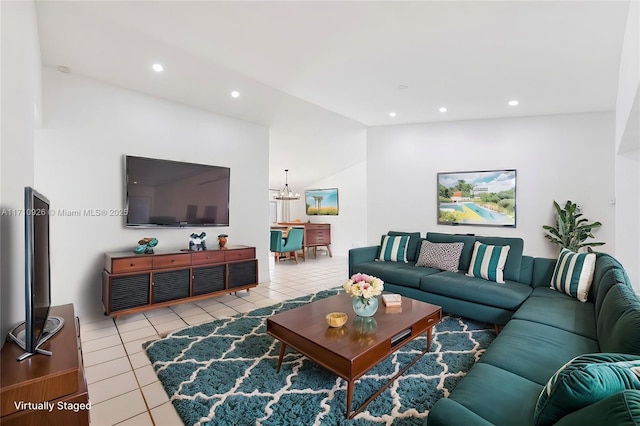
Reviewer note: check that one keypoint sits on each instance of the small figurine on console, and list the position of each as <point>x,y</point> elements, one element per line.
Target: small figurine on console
<point>222,240</point>
<point>197,242</point>
<point>146,246</point>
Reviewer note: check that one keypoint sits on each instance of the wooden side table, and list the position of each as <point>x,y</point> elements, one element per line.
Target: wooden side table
<point>57,380</point>
<point>315,235</point>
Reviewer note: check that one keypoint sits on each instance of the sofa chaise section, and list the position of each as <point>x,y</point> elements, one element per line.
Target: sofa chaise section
<point>548,331</point>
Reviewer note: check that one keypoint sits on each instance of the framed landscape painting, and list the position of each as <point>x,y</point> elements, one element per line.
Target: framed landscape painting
<point>477,198</point>
<point>321,202</point>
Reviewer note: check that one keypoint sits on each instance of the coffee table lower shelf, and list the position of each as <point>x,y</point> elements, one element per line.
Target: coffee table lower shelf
<point>304,329</point>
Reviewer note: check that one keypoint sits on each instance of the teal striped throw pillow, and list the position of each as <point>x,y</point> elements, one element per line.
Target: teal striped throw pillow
<point>394,248</point>
<point>487,262</point>
<point>574,273</point>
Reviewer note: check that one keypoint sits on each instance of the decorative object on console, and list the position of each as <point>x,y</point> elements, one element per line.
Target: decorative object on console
<point>571,230</point>
<point>477,198</point>
<point>321,202</point>
<point>197,242</point>
<point>222,240</point>
<point>488,262</point>
<point>364,289</point>
<point>445,256</point>
<point>573,274</point>
<point>146,246</point>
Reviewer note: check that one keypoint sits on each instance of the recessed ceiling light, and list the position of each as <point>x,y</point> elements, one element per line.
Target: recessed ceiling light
<point>442,109</point>
<point>235,94</point>
<point>392,114</point>
<point>403,87</point>
<point>157,67</point>
<point>513,102</point>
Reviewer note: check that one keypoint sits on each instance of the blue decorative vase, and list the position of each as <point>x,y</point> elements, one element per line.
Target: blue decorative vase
<point>365,307</point>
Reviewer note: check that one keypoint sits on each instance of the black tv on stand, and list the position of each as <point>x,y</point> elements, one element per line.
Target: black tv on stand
<point>38,326</point>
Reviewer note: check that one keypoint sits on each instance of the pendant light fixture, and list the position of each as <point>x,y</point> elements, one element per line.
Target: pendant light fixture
<point>286,193</point>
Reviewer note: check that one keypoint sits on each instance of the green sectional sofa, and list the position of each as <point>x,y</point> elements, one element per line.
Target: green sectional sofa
<point>544,330</point>
<point>477,298</point>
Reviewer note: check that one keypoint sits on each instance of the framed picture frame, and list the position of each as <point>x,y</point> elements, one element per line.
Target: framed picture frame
<point>321,202</point>
<point>485,198</point>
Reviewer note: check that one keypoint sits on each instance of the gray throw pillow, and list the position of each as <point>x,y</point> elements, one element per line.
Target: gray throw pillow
<point>445,256</point>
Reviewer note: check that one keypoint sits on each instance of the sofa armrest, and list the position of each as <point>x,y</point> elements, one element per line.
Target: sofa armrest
<point>362,255</point>
<point>447,412</point>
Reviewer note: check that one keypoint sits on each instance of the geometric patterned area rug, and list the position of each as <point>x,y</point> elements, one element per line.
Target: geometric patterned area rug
<point>224,373</point>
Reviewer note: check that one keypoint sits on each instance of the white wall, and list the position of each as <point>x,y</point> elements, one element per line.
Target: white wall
<point>88,127</point>
<point>628,76</point>
<point>21,101</point>
<point>627,149</point>
<point>349,228</point>
<point>556,158</point>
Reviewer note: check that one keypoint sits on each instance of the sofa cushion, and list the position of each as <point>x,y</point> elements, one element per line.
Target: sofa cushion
<point>394,248</point>
<point>526,270</point>
<point>542,271</point>
<point>550,293</point>
<point>562,312</point>
<point>618,322</point>
<point>613,276</point>
<point>487,262</point>
<point>413,246</point>
<point>446,412</point>
<point>604,263</point>
<point>496,395</point>
<point>583,381</point>
<point>467,250</point>
<point>535,351</point>
<point>445,256</point>
<point>509,295</point>
<point>514,260</point>
<point>573,273</point>
<point>621,409</point>
<point>404,274</point>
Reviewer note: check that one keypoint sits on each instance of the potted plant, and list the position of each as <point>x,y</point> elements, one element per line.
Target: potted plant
<point>572,229</point>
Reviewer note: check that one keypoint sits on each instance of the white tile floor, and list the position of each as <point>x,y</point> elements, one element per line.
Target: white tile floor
<point>123,388</point>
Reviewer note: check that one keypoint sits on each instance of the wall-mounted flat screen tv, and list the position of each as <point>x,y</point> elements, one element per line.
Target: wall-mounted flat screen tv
<point>163,193</point>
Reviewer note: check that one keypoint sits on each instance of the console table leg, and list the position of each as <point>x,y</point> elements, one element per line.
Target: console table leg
<point>283,346</point>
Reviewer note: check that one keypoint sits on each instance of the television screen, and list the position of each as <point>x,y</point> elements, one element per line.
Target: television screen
<point>171,193</point>
<point>37,269</point>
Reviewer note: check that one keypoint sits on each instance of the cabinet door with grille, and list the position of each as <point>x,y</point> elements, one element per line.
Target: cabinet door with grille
<point>208,280</point>
<point>170,285</point>
<point>129,291</point>
<point>243,273</point>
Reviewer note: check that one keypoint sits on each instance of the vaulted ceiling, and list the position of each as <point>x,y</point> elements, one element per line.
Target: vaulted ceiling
<point>359,60</point>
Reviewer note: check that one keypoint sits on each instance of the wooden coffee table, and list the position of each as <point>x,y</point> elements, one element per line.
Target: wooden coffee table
<point>347,351</point>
